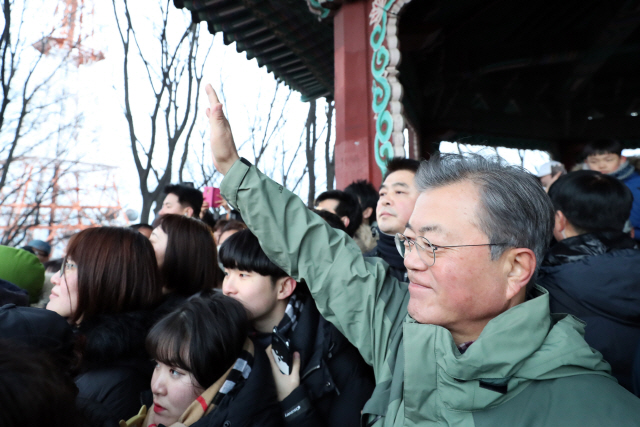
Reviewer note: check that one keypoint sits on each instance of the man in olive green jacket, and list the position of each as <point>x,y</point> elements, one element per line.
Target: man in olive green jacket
<point>470,341</point>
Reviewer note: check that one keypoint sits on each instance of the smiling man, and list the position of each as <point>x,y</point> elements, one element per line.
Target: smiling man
<point>471,340</point>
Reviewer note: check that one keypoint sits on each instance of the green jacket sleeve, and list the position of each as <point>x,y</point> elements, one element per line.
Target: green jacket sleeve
<point>354,293</point>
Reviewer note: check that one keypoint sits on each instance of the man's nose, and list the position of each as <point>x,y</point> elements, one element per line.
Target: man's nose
<point>228,287</point>
<point>412,260</point>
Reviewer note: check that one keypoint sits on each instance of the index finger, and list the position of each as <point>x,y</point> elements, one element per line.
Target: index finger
<point>211,93</point>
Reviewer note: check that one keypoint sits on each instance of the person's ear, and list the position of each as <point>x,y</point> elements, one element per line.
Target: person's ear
<point>623,159</point>
<point>520,265</point>
<point>285,287</point>
<point>345,221</point>
<point>188,211</point>
<point>366,214</point>
<point>559,225</point>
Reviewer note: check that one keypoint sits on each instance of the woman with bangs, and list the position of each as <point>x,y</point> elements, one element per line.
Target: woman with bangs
<point>187,258</point>
<point>207,373</point>
<point>107,289</point>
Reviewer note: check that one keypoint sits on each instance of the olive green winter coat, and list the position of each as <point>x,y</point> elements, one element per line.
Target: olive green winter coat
<point>527,368</point>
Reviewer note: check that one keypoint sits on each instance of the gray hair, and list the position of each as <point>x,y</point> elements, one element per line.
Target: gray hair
<point>514,207</point>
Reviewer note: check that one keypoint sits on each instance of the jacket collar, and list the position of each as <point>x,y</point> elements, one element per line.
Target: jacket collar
<point>585,245</point>
<point>387,250</point>
<point>522,344</point>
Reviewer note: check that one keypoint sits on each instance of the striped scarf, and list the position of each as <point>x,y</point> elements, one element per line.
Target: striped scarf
<point>211,397</point>
<point>291,315</point>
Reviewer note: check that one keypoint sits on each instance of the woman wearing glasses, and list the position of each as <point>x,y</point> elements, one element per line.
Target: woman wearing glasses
<point>107,289</point>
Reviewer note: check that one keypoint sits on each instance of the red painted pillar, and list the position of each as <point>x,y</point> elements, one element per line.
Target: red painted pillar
<point>355,157</point>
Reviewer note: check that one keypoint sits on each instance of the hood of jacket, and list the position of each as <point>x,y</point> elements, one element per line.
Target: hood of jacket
<point>599,272</point>
<point>523,344</point>
<point>114,338</point>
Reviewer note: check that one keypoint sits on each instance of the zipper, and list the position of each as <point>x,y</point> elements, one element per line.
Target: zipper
<point>309,371</point>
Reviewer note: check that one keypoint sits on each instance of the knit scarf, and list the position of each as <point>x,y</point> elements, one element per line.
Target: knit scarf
<point>291,315</point>
<point>211,397</point>
<point>624,171</point>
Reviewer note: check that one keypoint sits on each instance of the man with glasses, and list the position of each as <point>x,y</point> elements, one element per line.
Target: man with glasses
<point>470,341</point>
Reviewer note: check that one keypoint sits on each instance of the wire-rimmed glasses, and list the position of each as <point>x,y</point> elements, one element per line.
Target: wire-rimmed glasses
<point>427,250</point>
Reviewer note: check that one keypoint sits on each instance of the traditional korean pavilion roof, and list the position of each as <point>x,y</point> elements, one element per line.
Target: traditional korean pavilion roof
<point>282,35</point>
<point>542,74</point>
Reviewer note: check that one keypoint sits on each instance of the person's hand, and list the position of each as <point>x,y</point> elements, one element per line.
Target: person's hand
<point>204,209</point>
<point>285,384</point>
<point>222,146</point>
<point>221,202</point>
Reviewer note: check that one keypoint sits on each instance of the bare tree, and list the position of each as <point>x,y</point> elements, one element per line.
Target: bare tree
<point>28,98</point>
<point>175,80</point>
<point>51,195</point>
<point>202,173</point>
<point>329,154</point>
<point>266,127</point>
<point>310,145</point>
<point>286,165</point>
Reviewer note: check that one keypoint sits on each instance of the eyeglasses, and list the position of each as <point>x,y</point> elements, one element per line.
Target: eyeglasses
<point>67,266</point>
<point>427,253</point>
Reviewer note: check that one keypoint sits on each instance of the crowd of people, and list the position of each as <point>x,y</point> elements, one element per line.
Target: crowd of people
<point>463,291</point>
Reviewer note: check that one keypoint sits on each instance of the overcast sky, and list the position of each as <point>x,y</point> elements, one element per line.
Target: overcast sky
<point>98,87</point>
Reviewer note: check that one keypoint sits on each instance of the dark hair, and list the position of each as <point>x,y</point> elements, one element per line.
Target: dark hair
<point>602,146</point>
<point>233,224</point>
<point>592,201</point>
<point>514,209</point>
<point>34,389</point>
<point>401,164</point>
<point>53,265</point>
<point>348,206</point>
<point>332,219</point>
<point>186,196</point>
<point>117,271</point>
<point>190,261</point>
<point>366,194</point>
<point>219,225</point>
<point>140,226</point>
<point>204,336</point>
<point>242,251</point>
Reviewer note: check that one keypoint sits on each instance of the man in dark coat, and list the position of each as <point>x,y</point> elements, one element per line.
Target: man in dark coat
<point>329,382</point>
<point>398,195</point>
<point>593,272</point>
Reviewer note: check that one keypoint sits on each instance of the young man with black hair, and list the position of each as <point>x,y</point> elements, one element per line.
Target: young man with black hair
<point>344,205</point>
<point>605,156</point>
<point>398,195</point>
<point>593,272</point>
<point>181,200</point>
<point>367,196</point>
<point>329,381</point>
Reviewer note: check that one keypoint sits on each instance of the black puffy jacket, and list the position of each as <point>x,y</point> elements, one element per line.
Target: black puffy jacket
<point>115,367</point>
<point>335,380</point>
<point>596,277</point>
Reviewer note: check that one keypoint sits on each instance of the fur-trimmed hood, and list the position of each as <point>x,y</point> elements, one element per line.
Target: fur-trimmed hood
<point>113,338</point>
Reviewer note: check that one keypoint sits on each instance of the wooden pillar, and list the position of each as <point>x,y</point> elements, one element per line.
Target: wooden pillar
<point>355,158</point>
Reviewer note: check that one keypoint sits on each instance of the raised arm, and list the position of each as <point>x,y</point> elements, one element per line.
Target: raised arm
<point>355,294</point>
